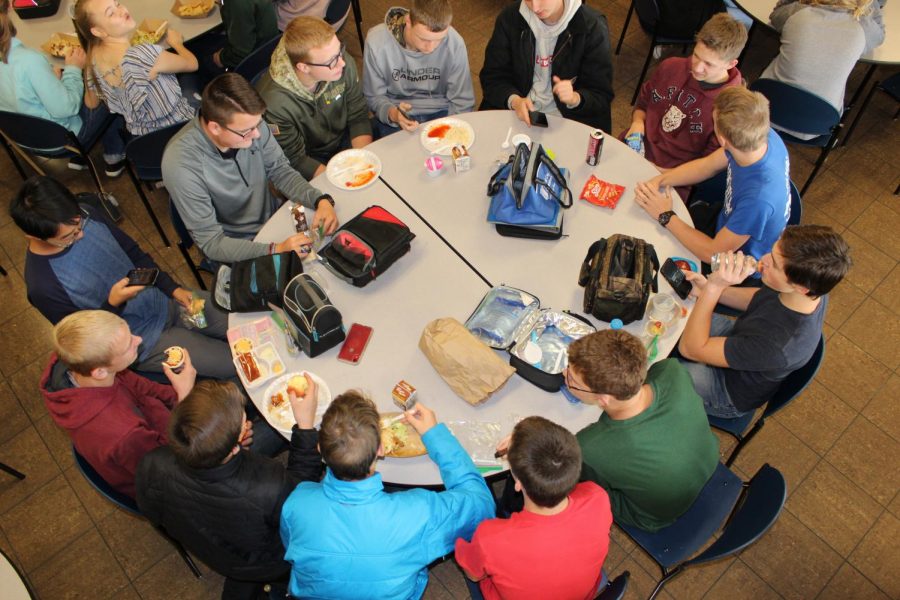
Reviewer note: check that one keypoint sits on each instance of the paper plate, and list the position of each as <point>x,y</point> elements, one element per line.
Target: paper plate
<point>353,169</point>
<point>439,136</point>
<point>413,442</point>
<point>282,418</point>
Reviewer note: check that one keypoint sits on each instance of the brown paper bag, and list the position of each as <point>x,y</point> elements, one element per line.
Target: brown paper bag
<point>467,364</point>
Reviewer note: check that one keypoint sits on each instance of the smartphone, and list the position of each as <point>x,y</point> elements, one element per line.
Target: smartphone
<point>676,278</point>
<point>405,114</point>
<point>142,276</point>
<point>538,119</point>
<point>355,344</point>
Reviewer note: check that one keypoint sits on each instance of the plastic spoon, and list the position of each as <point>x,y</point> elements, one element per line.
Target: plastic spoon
<point>505,143</point>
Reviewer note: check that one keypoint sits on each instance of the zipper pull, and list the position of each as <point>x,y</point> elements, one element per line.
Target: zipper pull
<point>315,335</point>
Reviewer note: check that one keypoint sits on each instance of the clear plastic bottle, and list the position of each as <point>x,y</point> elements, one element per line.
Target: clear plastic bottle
<point>721,258</point>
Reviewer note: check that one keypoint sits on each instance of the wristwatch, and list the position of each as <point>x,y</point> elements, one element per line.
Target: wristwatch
<point>323,197</point>
<point>664,217</point>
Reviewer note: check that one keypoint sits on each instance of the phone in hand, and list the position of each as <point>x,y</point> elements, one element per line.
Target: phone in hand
<point>676,278</point>
<point>538,119</point>
<point>355,344</point>
<point>404,114</point>
<point>142,276</point>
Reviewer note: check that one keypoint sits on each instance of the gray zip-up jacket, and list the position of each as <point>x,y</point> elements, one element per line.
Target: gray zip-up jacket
<point>224,199</point>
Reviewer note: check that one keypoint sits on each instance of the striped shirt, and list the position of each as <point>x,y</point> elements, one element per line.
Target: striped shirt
<point>146,104</point>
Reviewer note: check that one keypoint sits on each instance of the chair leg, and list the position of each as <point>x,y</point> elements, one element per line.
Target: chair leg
<point>668,576</point>
<point>859,113</point>
<point>13,158</point>
<point>6,467</point>
<point>625,27</point>
<point>146,202</point>
<point>357,16</point>
<point>744,441</point>
<point>869,72</point>
<point>823,156</point>
<point>182,552</point>
<point>192,266</point>
<point>637,88</point>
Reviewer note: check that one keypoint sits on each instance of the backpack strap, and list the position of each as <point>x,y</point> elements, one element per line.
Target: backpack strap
<point>565,200</point>
<point>588,271</point>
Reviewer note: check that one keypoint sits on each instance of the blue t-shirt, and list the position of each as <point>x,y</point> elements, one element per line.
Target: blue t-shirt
<point>758,198</point>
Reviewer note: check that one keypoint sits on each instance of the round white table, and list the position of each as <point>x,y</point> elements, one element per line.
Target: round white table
<point>34,32</point>
<point>433,281</point>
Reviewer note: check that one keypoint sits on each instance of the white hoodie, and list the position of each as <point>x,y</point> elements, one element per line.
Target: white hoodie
<point>545,35</point>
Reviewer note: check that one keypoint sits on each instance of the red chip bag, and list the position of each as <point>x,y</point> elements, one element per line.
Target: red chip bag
<point>602,193</point>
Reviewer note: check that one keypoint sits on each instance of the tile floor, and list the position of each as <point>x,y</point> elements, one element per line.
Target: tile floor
<point>838,445</point>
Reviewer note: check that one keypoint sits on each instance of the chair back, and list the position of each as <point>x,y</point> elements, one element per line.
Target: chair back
<point>757,512</point>
<point>794,384</point>
<point>673,544</point>
<point>116,497</point>
<point>794,108</point>
<point>145,152</point>
<point>253,65</point>
<point>796,206</point>
<point>187,242</point>
<point>37,134</point>
<point>616,588</point>
<point>648,14</point>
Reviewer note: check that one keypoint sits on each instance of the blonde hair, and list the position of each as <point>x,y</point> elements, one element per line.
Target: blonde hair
<point>435,15</point>
<point>81,18</point>
<point>857,8</point>
<point>303,34</point>
<point>7,30</point>
<point>724,36</point>
<point>84,340</point>
<point>742,117</point>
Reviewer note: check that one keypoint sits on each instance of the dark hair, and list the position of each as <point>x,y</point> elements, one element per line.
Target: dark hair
<point>350,435</point>
<point>546,459</point>
<point>227,95</point>
<point>42,205</point>
<point>205,426</point>
<point>610,362</point>
<point>815,257</point>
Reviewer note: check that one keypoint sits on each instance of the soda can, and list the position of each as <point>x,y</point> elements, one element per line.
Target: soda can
<point>595,147</point>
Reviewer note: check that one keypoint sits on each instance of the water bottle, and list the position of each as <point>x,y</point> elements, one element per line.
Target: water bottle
<point>722,257</point>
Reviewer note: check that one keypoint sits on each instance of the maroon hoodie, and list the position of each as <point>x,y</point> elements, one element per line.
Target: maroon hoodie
<point>111,427</point>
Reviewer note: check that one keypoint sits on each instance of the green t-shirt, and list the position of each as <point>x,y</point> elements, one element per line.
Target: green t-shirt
<point>653,465</point>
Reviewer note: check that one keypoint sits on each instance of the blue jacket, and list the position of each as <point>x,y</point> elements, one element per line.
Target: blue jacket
<point>29,86</point>
<point>351,539</point>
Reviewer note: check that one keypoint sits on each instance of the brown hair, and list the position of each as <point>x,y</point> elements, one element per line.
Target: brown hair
<point>546,459</point>
<point>433,14</point>
<point>742,117</point>
<point>723,35</point>
<point>84,340</point>
<point>612,362</point>
<point>227,95</point>
<point>350,435</point>
<point>81,18</point>
<point>302,35</point>
<point>7,30</point>
<point>815,257</point>
<point>206,425</point>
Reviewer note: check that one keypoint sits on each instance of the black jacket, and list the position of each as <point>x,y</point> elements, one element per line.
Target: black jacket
<point>228,516</point>
<point>582,49</point>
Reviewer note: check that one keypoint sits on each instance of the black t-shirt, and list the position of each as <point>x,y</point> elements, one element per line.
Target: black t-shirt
<point>767,342</point>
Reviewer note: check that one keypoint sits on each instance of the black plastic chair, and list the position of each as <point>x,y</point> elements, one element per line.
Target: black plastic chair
<point>8,469</point>
<point>792,386</point>
<point>185,243</point>
<point>616,588</point>
<point>255,63</point>
<point>127,504</point>
<point>749,515</point>
<point>796,109</point>
<point>45,138</point>
<point>144,154</point>
<point>338,8</point>
<point>891,87</point>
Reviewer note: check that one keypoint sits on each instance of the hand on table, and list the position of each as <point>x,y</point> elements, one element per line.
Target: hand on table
<point>648,197</point>
<point>304,408</point>
<point>421,418</point>
<point>522,106</point>
<point>564,90</point>
<point>183,381</point>
<point>326,217</point>
<point>299,243</point>
<point>404,123</point>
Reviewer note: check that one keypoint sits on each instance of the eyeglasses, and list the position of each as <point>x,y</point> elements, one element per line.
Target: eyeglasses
<point>70,238</point>
<point>245,134</point>
<point>332,62</point>
<point>573,388</point>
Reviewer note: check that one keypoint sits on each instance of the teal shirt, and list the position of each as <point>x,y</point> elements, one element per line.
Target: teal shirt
<point>653,465</point>
<point>28,85</point>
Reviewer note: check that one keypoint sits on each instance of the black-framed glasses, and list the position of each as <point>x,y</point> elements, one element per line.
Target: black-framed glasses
<point>332,62</point>
<point>573,388</point>
<point>70,238</point>
<point>244,134</point>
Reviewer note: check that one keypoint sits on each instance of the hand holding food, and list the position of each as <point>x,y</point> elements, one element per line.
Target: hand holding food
<point>76,57</point>
<point>299,243</point>
<point>180,371</point>
<point>305,402</point>
<point>421,418</point>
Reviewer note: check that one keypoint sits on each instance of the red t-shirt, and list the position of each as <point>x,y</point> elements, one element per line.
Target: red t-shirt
<point>538,556</point>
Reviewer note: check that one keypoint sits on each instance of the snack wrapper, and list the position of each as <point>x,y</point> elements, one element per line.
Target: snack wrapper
<point>195,316</point>
<point>602,193</point>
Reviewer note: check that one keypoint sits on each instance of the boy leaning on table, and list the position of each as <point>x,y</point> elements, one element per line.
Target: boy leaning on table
<point>416,62</point>
<point>348,538</point>
<point>220,501</point>
<point>554,547</point>
<point>757,200</point>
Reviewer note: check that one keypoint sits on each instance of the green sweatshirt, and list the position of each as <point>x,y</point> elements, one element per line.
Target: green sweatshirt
<point>653,465</point>
<point>312,123</point>
<point>248,24</point>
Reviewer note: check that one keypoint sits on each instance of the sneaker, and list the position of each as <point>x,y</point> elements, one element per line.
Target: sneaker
<point>115,169</point>
<point>77,163</point>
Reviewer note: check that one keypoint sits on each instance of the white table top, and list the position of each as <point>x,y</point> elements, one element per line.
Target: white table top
<point>14,588</point>
<point>432,281</point>
<point>888,53</point>
<point>34,32</point>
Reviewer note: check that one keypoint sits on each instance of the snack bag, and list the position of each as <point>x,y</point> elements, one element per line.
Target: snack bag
<point>602,193</point>
<point>195,315</point>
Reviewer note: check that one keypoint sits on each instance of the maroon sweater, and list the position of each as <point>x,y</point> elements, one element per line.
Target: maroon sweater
<point>111,427</point>
<point>679,123</point>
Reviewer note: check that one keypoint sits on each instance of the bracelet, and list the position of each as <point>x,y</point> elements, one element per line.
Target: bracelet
<point>323,197</point>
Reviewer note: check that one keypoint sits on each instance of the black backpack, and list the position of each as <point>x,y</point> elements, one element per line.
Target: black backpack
<point>617,275</point>
<point>366,245</point>
<point>250,285</point>
<point>317,324</point>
